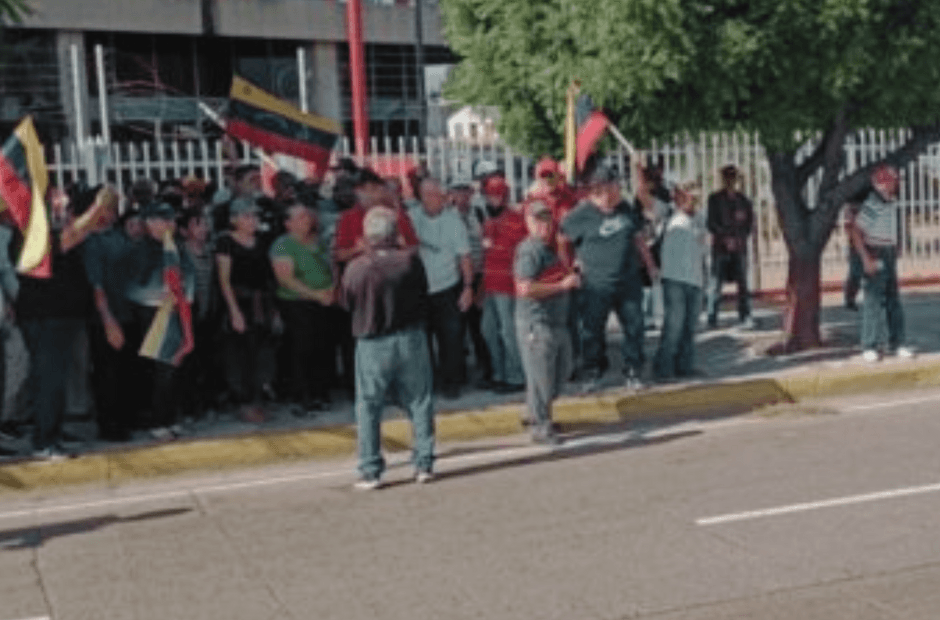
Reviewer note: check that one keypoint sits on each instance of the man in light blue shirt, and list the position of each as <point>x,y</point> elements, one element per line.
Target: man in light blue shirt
<point>445,252</point>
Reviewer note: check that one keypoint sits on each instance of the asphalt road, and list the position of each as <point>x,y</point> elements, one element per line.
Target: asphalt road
<point>822,511</point>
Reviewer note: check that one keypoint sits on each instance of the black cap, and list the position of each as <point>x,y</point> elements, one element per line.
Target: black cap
<point>159,210</point>
<point>602,174</point>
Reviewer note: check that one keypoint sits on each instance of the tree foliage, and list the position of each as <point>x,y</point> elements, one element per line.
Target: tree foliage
<point>782,68</point>
<point>667,66</point>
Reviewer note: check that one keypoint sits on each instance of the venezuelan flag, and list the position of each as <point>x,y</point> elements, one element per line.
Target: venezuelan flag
<point>23,183</point>
<point>165,335</point>
<point>258,117</point>
<point>591,126</point>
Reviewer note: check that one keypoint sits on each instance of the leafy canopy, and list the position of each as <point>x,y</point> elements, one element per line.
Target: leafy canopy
<point>668,66</point>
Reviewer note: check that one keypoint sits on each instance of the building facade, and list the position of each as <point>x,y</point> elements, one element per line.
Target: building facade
<point>155,61</point>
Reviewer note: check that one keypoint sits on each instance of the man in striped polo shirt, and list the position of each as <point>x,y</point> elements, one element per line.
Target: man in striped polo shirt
<point>874,236</point>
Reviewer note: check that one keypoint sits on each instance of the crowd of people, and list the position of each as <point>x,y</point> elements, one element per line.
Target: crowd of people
<point>523,288</point>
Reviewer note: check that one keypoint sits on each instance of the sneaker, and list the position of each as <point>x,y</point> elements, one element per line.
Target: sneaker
<point>632,381</point>
<point>367,484</point>
<point>870,355</point>
<point>905,353</point>
<point>50,454</point>
<point>592,380</point>
<point>546,438</point>
<point>748,324</point>
<point>424,477</point>
<point>162,433</point>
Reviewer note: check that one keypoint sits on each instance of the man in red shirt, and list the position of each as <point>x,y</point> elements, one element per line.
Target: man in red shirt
<point>371,191</point>
<point>501,234</point>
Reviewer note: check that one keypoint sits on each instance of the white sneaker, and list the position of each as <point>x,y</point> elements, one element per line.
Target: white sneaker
<point>162,434</point>
<point>367,484</point>
<point>424,477</point>
<point>870,355</point>
<point>904,353</point>
<point>51,454</point>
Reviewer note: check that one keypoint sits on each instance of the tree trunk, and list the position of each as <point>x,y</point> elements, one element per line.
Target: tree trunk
<point>801,320</point>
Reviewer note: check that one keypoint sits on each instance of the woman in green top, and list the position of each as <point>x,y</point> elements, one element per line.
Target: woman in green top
<point>305,291</point>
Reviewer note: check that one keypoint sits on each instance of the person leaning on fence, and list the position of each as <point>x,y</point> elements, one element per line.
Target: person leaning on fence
<point>874,237</point>
<point>543,286</point>
<point>682,275</point>
<point>730,221</point>
<point>386,290</point>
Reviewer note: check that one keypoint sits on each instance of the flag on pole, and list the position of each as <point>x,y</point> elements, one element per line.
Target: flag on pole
<point>591,126</point>
<point>169,337</point>
<point>23,183</point>
<point>571,134</point>
<point>258,117</point>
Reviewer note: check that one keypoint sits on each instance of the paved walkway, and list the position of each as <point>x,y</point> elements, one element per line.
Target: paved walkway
<point>736,375</point>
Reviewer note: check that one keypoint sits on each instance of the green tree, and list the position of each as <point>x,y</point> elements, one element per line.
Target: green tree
<point>13,11</point>
<point>782,68</point>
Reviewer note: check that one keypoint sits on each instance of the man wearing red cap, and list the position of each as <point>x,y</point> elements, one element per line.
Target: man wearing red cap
<point>501,234</point>
<point>874,237</point>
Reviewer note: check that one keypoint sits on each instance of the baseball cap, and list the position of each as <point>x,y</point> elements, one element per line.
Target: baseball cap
<point>484,168</point>
<point>601,175</point>
<point>547,167</point>
<point>159,210</point>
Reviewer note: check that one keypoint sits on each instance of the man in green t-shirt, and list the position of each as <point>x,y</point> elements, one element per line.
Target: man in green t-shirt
<point>305,293</point>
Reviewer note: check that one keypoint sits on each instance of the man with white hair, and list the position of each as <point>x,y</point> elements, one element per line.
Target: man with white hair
<point>386,290</point>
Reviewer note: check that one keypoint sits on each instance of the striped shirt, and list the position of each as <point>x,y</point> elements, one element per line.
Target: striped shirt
<point>878,221</point>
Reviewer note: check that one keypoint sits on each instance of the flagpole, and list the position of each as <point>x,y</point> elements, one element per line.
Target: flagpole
<point>571,134</point>
<point>357,71</point>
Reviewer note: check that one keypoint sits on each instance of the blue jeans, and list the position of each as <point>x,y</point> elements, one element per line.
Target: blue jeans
<point>596,305</point>
<point>735,265</point>
<point>676,355</point>
<point>882,305</point>
<point>48,341</point>
<point>547,361</point>
<point>499,330</point>
<point>398,364</point>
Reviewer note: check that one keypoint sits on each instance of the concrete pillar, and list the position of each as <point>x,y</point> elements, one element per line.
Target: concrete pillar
<point>325,94</point>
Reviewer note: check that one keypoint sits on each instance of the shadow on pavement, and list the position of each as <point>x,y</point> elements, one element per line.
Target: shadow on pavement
<point>32,537</point>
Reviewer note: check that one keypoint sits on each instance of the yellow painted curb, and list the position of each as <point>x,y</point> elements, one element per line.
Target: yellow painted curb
<point>684,402</point>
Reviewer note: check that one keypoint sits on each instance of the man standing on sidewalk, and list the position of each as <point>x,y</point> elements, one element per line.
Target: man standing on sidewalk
<point>874,237</point>
<point>608,239</point>
<point>543,286</point>
<point>386,290</point>
<point>730,221</point>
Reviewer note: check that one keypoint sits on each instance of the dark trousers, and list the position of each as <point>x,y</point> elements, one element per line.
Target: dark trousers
<point>308,336</point>
<point>117,380</point>
<point>853,280</point>
<point>199,378</point>
<point>49,342</point>
<point>164,379</point>
<point>596,305</point>
<point>472,320</point>
<point>725,267</point>
<point>445,324</point>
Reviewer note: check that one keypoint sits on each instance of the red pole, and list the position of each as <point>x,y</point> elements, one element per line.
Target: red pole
<point>357,71</point>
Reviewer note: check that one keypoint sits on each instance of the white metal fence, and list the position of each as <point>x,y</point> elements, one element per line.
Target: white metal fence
<point>685,159</point>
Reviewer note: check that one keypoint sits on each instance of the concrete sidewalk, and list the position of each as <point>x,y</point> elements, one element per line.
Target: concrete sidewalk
<point>737,377</point>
